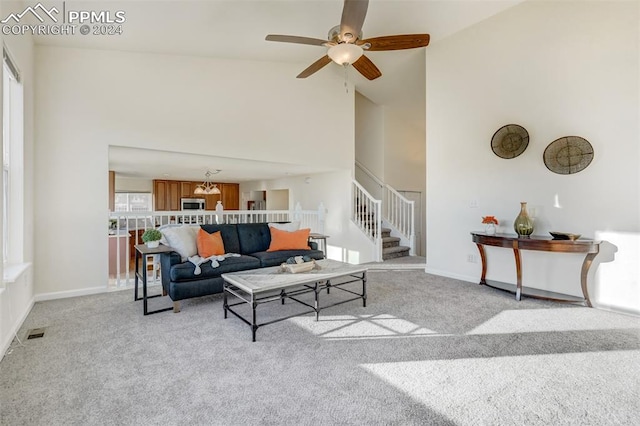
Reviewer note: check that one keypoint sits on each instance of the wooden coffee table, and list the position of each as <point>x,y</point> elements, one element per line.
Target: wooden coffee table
<point>258,286</point>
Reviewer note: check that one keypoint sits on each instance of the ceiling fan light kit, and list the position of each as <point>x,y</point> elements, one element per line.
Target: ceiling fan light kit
<point>345,48</point>
<point>345,53</point>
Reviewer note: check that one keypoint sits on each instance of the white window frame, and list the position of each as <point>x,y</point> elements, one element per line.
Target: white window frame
<point>12,162</point>
<point>129,208</point>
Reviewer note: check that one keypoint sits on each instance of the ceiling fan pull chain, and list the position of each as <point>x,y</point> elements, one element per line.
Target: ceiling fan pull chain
<point>346,78</point>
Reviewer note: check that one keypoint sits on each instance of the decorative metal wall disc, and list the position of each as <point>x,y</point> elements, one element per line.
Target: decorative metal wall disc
<point>568,155</point>
<point>510,141</point>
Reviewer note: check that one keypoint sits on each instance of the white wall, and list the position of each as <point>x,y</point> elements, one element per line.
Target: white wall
<point>369,130</point>
<point>404,152</point>
<point>87,100</point>
<point>389,146</point>
<point>17,297</point>
<point>277,199</point>
<point>346,243</point>
<point>405,166</point>
<point>133,184</point>
<point>558,69</point>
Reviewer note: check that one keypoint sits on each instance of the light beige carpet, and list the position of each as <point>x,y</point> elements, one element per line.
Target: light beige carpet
<point>426,350</point>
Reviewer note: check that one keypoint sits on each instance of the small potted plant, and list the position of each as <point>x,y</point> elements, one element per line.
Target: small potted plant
<point>152,237</point>
<point>491,223</point>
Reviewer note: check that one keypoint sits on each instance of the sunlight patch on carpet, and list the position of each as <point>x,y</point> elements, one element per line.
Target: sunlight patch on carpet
<point>471,391</point>
<point>360,326</point>
<point>561,319</point>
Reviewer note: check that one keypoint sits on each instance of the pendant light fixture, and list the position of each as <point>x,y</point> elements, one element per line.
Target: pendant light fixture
<point>207,187</point>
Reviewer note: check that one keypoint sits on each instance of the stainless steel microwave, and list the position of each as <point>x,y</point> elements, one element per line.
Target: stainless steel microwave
<point>192,204</point>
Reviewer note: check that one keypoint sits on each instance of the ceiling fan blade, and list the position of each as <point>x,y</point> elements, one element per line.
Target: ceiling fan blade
<point>367,68</point>
<point>316,66</point>
<point>353,14</point>
<point>396,42</point>
<point>295,39</point>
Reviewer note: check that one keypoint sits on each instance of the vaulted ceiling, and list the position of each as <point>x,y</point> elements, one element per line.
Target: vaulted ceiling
<point>236,29</point>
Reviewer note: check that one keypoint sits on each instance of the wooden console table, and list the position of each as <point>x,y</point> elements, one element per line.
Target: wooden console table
<point>539,243</point>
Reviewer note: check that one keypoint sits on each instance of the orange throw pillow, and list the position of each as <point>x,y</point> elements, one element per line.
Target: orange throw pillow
<point>209,244</point>
<point>283,240</point>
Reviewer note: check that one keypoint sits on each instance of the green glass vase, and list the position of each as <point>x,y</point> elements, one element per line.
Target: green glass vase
<point>523,224</point>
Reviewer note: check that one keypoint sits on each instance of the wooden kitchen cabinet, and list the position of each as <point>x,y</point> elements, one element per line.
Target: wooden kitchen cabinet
<point>112,190</point>
<point>166,195</point>
<point>231,196</point>
<point>210,201</point>
<point>186,189</point>
<point>135,237</point>
<point>173,195</point>
<point>160,195</point>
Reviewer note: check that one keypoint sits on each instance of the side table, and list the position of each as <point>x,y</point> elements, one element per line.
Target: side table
<point>142,251</point>
<point>322,239</point>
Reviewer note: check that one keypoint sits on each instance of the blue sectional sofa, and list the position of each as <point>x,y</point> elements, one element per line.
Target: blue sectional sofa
<point>249,240</point>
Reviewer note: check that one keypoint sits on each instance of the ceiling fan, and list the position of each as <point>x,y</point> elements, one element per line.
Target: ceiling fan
<point>346,46</point>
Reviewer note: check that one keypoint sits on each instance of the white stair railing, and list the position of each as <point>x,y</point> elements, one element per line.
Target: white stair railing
<point>399,212</point>
<point>366,213</point>
<point>369,180</point>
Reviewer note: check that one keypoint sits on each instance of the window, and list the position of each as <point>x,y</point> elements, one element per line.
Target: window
<point>12,162</point>
<point>133,202</point>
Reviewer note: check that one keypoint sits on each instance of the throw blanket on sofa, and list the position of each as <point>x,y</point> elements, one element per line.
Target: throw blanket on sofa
<point>215,259</point>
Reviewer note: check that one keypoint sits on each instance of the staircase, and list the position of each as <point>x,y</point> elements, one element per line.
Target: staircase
<point>393,213</point>
<point>367,215</point>
<point>391,248</point>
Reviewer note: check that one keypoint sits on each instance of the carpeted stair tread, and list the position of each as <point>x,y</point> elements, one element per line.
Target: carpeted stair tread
<point>388,242</point>
<point>393,252</point>
<point>396,249</point>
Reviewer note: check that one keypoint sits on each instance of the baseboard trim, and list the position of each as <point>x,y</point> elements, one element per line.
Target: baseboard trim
<point>618,309</point>
<point>381,266</point>
<point>451,275</point>
<point>69,293</point>
<point>14,330</point>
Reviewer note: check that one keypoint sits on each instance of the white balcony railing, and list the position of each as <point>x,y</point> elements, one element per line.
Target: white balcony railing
<point>126,229</point>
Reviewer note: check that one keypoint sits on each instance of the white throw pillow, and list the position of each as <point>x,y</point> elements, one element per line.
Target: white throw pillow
<point>162,228</point>
<point>182,239</point>
<point>289,227</point>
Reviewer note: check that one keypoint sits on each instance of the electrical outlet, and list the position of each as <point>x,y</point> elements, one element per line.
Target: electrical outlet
<point>474,204</point>
<point>472,258</point>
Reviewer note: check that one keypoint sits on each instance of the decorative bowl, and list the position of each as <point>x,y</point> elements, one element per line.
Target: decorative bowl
<point>564,236</point>
<point>298,268</point>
